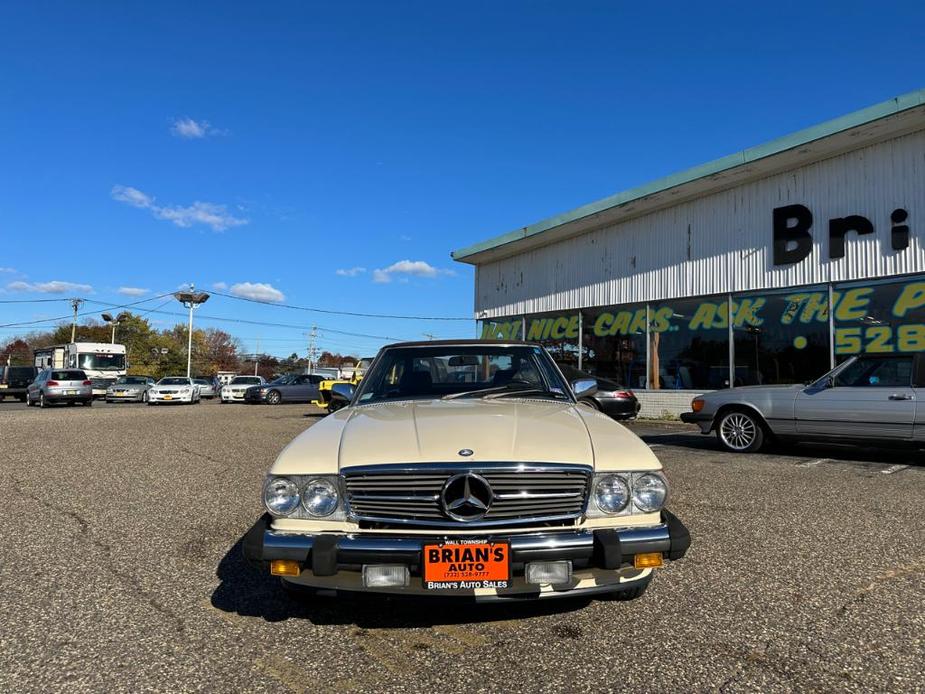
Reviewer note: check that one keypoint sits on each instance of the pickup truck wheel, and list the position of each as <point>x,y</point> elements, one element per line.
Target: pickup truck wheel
<point>739,431</point>
<point>274,397</point>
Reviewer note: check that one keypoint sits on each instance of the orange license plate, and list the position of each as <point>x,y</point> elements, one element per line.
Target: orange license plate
<point>467,565</point>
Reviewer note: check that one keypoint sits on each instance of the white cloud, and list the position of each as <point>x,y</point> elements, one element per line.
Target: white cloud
<point>408,268</point>
<point>11,270</point>
<point>219,286</point>
<point>132,291</point>
<point>257,290</point>
<point>190,129</point>
<point>52,287</point>
<point>208,213</point>
<point>350,272</point>
<point>404,237</point>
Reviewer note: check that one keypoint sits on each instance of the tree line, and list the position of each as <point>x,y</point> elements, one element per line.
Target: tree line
<point>159,353</point>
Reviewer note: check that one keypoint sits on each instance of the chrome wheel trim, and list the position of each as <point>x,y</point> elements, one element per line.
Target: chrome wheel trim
<point>738,431</point>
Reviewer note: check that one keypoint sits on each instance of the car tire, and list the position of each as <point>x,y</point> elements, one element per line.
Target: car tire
<point>88,403</point>
<point>42,402</point>
<point>274,397</point>
<point>628,594</point>
<point>22,398</point>
<point>144,396</point>
<point>740,431</point>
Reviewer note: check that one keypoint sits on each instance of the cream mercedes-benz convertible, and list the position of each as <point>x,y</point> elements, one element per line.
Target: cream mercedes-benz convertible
<point>466,468</point>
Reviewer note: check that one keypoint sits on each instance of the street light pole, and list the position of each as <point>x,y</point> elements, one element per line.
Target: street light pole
<point>191,300</point>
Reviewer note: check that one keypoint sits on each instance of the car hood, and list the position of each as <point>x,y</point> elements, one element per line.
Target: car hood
<point>429,431</point>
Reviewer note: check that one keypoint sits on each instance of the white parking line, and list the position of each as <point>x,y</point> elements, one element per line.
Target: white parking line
<point>893,469</point>
<point>814,463</point>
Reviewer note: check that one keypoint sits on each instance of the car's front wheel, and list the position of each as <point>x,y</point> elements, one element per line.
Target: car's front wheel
<point>739,431</point>
<point>274,397</point>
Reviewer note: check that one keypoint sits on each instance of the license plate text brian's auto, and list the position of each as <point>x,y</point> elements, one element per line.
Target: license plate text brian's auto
<point>466,565</point>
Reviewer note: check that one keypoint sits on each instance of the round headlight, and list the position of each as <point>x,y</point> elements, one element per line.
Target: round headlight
<point>649,492</point>
<point>611,494</point>
<point>281,496</point>
<point>319,498</point>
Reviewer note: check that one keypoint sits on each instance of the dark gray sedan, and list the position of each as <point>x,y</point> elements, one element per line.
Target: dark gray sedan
<point>288,388</point>
<point>867,399</point>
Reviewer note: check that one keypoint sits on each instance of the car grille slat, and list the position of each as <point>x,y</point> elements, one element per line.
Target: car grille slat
<point>538,494</point>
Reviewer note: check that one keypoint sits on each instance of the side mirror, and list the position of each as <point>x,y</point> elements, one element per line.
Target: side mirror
<point>584,387</point>
<point>342,393</point>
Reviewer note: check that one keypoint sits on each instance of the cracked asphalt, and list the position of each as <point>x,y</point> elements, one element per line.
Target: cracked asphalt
<point>120,570</point>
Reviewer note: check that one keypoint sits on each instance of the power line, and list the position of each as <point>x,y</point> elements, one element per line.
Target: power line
<point>85,313</point>
<point>29,301</point>
<point>338,313</point>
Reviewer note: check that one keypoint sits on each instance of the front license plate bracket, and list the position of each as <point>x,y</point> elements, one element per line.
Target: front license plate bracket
<point>466,565</point>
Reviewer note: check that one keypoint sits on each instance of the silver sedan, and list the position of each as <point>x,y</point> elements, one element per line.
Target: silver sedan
<point>129,389</point>
<point>867,399</point>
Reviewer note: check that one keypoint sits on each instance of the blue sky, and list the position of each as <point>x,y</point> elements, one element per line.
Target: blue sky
<point>264,147</point>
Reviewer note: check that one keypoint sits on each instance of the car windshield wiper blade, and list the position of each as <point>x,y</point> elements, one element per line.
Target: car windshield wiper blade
<point>519,391</point>
<point>483,391</point>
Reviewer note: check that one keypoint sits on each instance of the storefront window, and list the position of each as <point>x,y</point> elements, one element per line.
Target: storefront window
<point>879,318</point>
<point>614,344</point>
<point>781,337</point>
<point>689,344</point>
<point>558,333</point>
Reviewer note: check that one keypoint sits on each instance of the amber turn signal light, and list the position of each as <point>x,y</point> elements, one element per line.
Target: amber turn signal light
<point>697,404</point>
<point>285,567</point>
<point>649,560</point>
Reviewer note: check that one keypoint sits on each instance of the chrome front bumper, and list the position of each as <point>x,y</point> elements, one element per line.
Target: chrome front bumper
<point>325,554</point>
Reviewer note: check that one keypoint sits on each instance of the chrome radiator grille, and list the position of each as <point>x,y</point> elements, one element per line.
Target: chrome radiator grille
<point>424,495</point>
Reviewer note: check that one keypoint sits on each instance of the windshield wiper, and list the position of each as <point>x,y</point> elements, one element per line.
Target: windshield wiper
<point>497,391</point>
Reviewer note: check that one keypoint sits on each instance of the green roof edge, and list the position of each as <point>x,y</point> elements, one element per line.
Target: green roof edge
<point>781,144</point>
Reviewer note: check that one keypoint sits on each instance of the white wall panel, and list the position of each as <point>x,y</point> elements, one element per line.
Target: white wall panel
<point>722,242</point>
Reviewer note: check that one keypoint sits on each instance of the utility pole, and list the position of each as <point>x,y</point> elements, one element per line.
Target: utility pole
<point>256,355</point>
<point>312,349</point>
<point>75,304</point>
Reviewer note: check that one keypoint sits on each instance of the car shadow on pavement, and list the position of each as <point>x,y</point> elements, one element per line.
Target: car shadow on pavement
<point>246,591</point>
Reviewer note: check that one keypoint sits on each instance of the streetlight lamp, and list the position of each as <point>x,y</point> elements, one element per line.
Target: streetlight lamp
<point>114,322</point>
<point>191,299</point>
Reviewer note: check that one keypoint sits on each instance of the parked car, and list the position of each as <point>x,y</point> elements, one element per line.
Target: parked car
<point>496,489</point>
<point>53,386</point>
<point>610,397</point>
<point>15,380</point>
<point>288,388</point>
<point>206,387</point>
<point>235,390</point>
<point>174,389</point>
<point>869,398</point>
<point>130,389</point>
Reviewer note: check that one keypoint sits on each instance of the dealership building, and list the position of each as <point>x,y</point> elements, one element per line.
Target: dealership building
<point>767,266</point>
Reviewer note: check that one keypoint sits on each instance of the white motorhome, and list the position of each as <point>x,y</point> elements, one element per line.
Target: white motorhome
<point>101,361</point>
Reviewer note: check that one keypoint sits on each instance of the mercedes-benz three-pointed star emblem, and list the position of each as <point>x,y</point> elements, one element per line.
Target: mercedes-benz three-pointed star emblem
<point>466,497</point>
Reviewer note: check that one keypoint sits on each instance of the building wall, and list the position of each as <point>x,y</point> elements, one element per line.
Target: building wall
<point>723,242</point>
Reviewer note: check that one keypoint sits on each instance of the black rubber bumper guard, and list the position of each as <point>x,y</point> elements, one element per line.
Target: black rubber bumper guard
<point>325,553</point>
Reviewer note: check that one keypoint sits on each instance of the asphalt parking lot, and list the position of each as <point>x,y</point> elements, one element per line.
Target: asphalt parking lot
<point>120,568</point>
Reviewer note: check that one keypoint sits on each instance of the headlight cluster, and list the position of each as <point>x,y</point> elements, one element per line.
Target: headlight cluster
<point>302,497</point>
<point>627,492</point>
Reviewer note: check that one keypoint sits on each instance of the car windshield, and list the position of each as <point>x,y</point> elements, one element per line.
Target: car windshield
<point>245,381</point>
<point>132,380</point>
<point>173,381</point>
<point>460,371</point>
<point>283,380</point>
<point>20,372</point>
<point>201,381</point>
<point>101,362</point>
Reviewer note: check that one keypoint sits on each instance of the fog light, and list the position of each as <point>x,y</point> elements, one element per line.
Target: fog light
<point>385,575</point>
<point>554,572</point>
<point>285,567</point>
<point>649,560</point>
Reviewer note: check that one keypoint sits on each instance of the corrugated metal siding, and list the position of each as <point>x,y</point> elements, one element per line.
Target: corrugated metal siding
<point>722,242</point>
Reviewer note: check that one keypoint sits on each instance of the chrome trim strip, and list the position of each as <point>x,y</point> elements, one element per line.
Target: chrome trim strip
<point>416,468</point>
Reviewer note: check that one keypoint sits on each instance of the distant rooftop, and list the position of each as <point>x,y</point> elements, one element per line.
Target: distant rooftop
<point>891,118</point>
